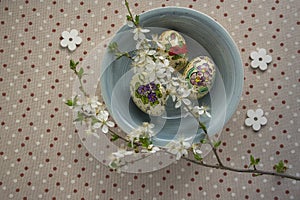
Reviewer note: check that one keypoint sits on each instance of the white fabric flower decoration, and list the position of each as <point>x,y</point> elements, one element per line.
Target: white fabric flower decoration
<point>260,59</point>
<point>256,119</point>
<point>71,39</point>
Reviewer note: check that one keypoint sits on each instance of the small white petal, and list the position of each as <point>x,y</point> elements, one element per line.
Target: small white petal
<point>145,30</point>
<point>186,101</point>
<point>255,64</point>
<point>178,104</point>
<point>250,113</point>
<point>254,55</point>
<point>130,24</point>
<point>268,58</point>
<point>208,114</point>
<point>74,32</point>
<point>64,42</point>
<point>136,36</point>
<point>263,66</point>
<point>65,34</point>
<point>141,36</point>
<point>105,129</point>
<point>97,125</point>
<point>178,156</point>
<point>262,52</point>
<point>259,112</point>
<point>72,46</point>
<point>110,123</point>
<point>263,120</point>
<point>77,40</point>
<point>256,126</point>
<point>249,122</point>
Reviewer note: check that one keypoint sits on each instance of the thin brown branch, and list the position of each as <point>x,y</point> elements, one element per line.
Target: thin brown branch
<point>251,171</point>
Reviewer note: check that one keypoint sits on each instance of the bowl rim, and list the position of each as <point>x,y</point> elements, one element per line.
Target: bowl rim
<point>237,86</point>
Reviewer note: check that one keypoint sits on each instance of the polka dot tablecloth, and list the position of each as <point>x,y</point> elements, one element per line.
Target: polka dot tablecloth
<point>41,154</point>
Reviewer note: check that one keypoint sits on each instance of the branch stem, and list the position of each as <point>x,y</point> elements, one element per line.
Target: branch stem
<point>130,14</point>
<point>251,171</point>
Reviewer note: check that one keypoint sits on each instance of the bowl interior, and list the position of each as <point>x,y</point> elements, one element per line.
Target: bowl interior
<point>206,37</point>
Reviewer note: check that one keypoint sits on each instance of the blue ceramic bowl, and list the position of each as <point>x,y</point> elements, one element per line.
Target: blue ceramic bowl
<point>207,37</point>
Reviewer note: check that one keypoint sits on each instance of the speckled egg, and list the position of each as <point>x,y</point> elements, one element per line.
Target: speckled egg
<point>200,73</point>
<point>176,48</point>
<point>148,97</point>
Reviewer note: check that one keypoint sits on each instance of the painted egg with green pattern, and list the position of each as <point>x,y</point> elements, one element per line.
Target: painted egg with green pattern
<point>175,47</point>
<point>148,97</point>
<point>200,74</point>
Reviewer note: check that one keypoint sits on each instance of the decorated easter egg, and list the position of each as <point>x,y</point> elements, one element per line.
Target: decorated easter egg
<point>148,97</point>
<point>200,74</point>
<point>175,47</point>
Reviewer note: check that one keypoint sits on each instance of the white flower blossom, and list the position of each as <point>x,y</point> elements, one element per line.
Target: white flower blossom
<point>130,24</point>
<point>103,123</point>
<point>142,131</point>
<point>70,39</point>
<point>88,110</point>
<point>196,149</point>
<point>178,148</point>
<point>198,111</point>
<point>156,41</point>
<point>139,33</point>
<point>116,158</point>
<point>93,101</point>
<point>179,91</point>
<point>151,149</point>
<point>121,153</point>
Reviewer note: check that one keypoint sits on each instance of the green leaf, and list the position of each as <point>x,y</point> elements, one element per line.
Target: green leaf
<point>145,141</point>
<point>198,157</point>
<point>80,73</point>
<point>203,141</point>
<point>217,144</point>
<point>129,144</point>
<point>253,161</point>
<point>129,18</point>
<point>202,126</point>
<point>113,46</point>
<point>114,137</point>
<point>257,160</point>
<point>73,64</point>
<point>113,165</point>
<point>280,167</point>
<point>94,120</point>
<point>80,117</point>
<point>137,19</point>
<point>69,102</point>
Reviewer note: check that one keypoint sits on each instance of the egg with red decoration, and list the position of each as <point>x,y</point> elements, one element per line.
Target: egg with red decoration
<point>200,74</point>
<point>175,47</point>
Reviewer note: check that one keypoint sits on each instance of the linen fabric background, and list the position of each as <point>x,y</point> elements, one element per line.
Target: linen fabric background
<point>41,154</point>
